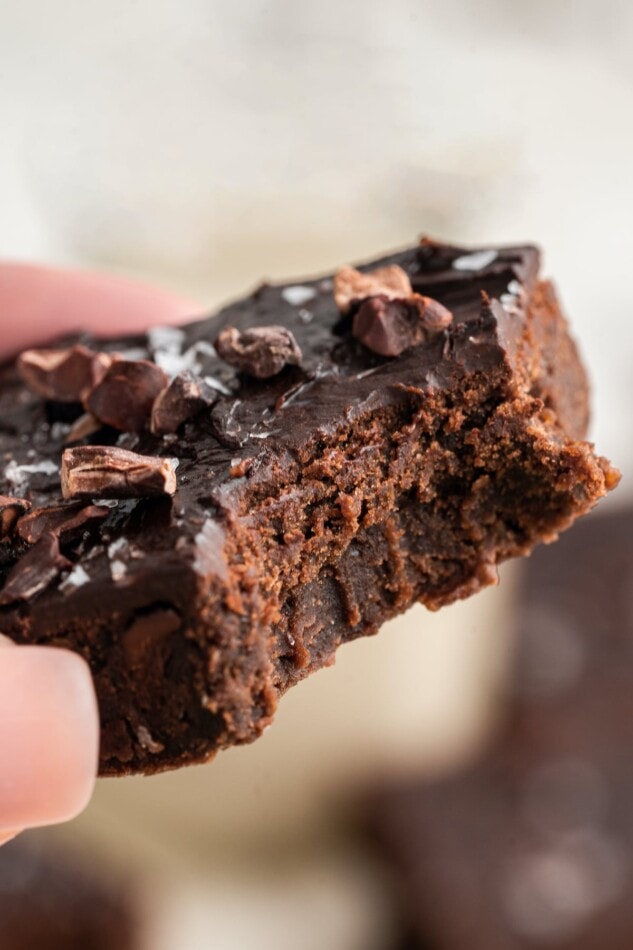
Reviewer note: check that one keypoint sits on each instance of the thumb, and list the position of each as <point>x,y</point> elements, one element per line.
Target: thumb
<point>38,304</point>
<point>48,736</point>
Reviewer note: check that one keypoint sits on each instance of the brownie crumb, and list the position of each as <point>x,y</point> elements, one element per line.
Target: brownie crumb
<point>11,510</point>
<point>97,471</point>
<point>63,375</point>
<point>240,467</point>
<point>125,396</point>
<point>35,571</point>
<point>261,351</point>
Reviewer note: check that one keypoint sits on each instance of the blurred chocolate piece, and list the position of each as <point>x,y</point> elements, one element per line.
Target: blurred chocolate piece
<point>34,571</point>
<point>575,615</point>
<point>52,901</point>
<point>105,471</point>
<point>63,375</point>
<point>352,286</point>
<point>434,315</point>
<point>261,352</point>
<point>125,396</point>
<point>178,402</point>
<point>532,846</point>
<point>11,509</point>
<point>60,520</point>
<point>82,428</point>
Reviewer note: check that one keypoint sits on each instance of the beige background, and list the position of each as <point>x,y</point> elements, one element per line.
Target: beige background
<point>203,145</point>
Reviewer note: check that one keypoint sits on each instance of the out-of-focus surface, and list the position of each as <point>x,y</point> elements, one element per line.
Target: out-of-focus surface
<point>203,146</point>
<point>533,845</point>
<point>51,901</point>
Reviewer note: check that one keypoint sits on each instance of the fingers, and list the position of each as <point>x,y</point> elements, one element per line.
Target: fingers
<point>7,836</point>
<point>49,734</point>
<point>38,304</point>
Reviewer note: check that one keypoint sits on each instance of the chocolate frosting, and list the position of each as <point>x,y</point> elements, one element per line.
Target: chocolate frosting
<point>253,420</point>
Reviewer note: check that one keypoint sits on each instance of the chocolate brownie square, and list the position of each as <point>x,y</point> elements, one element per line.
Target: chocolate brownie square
<point>206,513</point>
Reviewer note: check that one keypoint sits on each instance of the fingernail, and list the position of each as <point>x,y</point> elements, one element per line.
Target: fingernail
<point>49,736</point>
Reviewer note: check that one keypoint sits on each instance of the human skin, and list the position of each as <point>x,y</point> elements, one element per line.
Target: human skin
<point>49,727</point>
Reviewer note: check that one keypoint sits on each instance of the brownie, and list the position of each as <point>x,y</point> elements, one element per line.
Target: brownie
<point>207,512</point>
<point>532,846</point>
<point>49,901</point>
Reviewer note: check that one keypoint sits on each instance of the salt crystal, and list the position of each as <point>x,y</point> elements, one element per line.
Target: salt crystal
<point>132,353</point>
<point>476,261</point>
<point>118,570</point>
<point>216,384</point>
<point>298,294</point>
<point>17,475</point>
<point>116,547</point>
<point>77,578</point>
<point>166,339</point>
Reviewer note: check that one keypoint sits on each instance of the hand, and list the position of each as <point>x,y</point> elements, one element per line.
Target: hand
<point>49,728</point>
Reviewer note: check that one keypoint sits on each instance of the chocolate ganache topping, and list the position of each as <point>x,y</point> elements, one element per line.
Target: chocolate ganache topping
<point>428,305</point>
<point>436,307</point>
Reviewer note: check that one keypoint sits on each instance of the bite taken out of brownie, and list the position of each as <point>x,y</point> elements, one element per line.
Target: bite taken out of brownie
<point>207,512</point>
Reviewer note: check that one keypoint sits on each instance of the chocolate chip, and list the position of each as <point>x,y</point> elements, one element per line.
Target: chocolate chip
<point>96,471</point>
<point>60,520</point>
<point>389,327</point>
<point>352,286</point>
<point>11,509</point>
<point>261,351</point>
<point>63,375</point>
<point>35,571</point>
<point>182,399</point>
<point>125,396</point>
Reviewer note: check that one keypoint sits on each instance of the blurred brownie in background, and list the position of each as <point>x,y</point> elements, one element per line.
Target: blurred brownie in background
<point>532,845</point>
<point>51,902</point>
